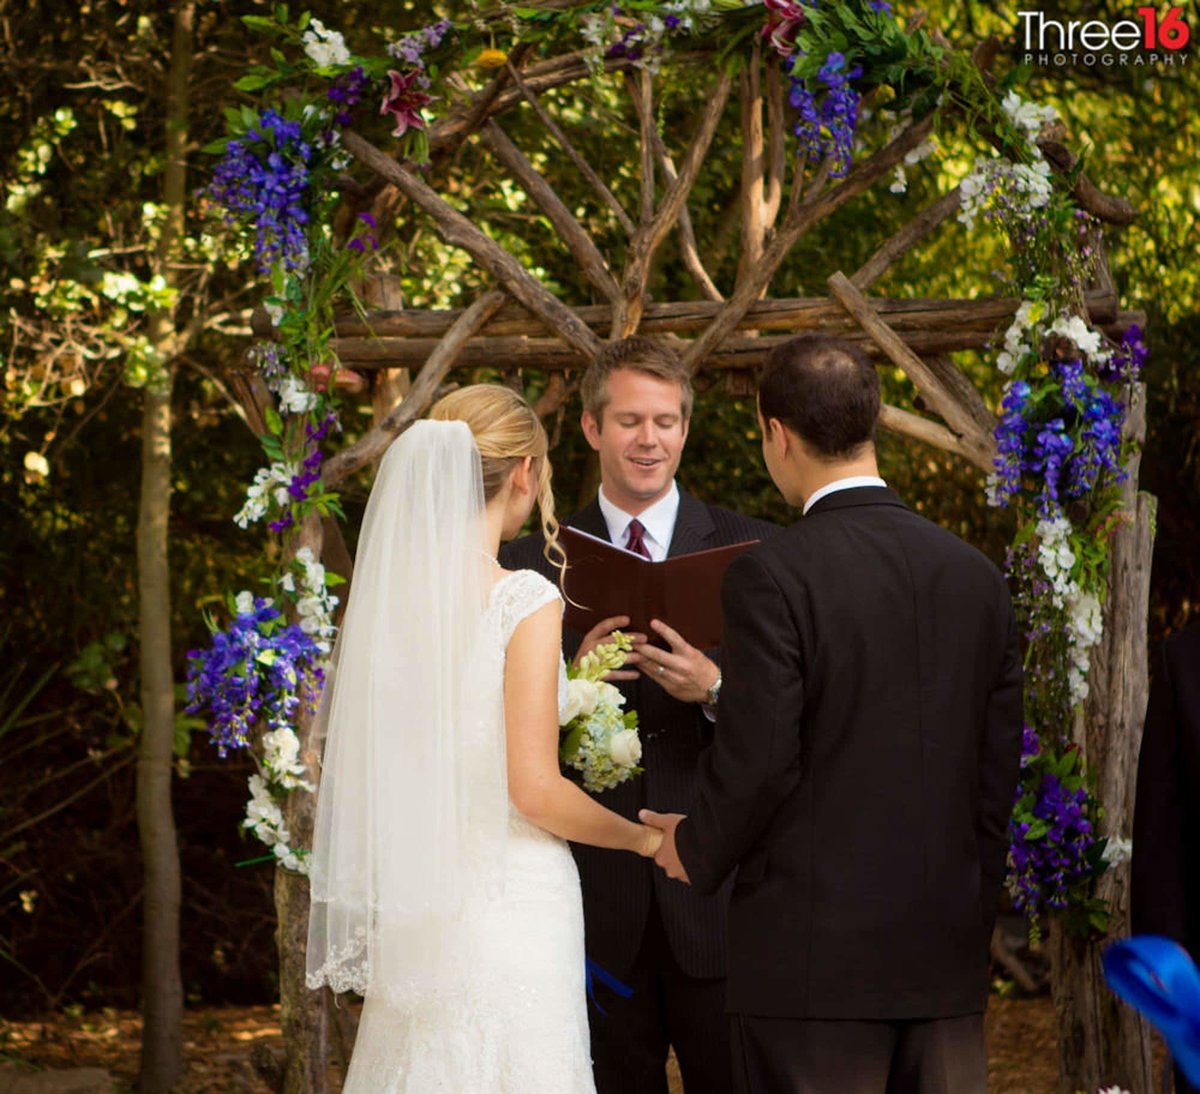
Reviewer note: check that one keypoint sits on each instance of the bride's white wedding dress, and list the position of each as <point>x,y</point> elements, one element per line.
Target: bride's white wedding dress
<point>509,1016</point>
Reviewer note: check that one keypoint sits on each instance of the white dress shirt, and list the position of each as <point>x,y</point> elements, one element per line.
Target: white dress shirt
<point>658,521</point>
<point>842,484</point>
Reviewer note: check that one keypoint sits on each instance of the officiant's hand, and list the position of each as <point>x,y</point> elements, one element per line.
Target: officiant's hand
<point>667,856</point>
<point>601,633</point>
<point>683,671</point>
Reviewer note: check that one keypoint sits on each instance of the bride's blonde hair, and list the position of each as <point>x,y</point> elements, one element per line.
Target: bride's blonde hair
<point>506,430</point>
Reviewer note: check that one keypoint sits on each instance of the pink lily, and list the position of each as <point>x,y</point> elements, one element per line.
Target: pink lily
<point>404,102</point>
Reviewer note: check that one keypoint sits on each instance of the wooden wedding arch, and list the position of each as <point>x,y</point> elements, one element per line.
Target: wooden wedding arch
<point>519,324</point>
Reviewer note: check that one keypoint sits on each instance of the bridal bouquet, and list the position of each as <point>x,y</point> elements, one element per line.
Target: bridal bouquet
<point>599,740</point>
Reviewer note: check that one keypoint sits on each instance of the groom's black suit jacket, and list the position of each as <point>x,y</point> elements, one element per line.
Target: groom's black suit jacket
<point>617,885</point>
<point>863,767</point>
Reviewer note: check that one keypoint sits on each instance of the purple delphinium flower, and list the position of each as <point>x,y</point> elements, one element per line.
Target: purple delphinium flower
<point>1010,442</point>
<point>347,91</point>
<point>263,179</point>
<point>1048,851</point>
<point>259,668</point>
<point>1126,363</point>
<point>827,124</point>
<point>1052,447</point>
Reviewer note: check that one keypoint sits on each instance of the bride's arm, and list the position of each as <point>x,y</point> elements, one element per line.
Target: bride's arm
<point>535,782</point>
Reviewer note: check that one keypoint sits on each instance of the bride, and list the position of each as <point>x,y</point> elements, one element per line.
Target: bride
<point>442,886</point>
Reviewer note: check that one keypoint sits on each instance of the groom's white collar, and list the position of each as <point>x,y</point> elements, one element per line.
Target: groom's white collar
<point>658,520</point>
<point>841,484</point>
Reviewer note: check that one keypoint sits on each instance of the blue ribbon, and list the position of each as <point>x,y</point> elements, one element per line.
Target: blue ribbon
<point>593,972</point>
<point>1158,977</point>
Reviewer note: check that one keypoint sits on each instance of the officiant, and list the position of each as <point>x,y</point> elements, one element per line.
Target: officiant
<point>663,940</point>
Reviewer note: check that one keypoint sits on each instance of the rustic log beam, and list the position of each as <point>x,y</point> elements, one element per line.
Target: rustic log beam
<point>581,164</point>
<point>509,353</point>
<point>458,231</point>
<point>951,377</point>
<point>373,444</point>
<point>906,238</point>
<point>907,424</point>
<point>799,220</point>
<point>1108,209</point>
<point>481,107</point>
<point>688,250</point>
<point>752,220</point>
<point>1100,1039</point>
<point>941,399</point>
<point>649,236</point>
<point>572,233</point>
<point>776,145</point>
<point>985,317</point>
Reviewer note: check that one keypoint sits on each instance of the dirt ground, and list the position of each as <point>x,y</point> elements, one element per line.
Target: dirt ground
<point>218,1043</point>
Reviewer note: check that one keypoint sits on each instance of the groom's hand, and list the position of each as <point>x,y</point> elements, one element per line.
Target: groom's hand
<point>667,856</point>
<point>601,633</point>
<point>683,672</point>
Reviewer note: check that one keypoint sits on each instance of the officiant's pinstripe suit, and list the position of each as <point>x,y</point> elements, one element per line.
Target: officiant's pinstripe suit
<point>617,887</point>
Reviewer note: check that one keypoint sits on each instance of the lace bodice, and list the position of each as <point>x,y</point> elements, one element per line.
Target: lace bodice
<point>516,596</point>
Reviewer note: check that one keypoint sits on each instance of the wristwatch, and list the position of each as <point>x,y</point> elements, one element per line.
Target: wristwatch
<point>714,692</point>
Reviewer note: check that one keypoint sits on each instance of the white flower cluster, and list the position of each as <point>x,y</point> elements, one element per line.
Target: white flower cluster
<point>265,819</point>
<point>1088,340</point>
<point>1027,116</point>
<point>1085,615</point>
<point>1117,850</point>
<point>325,47</point>
<point>317,603</point>
<point>914,156</point>
<point>294,397</point>
<point>269,482</point>
<point>281,759</point>
<point>608,751</point>
<point>1016,343</point>
<point>990,176</point>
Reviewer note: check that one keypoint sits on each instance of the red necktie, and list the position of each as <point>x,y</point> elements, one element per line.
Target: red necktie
<point>635,542</point>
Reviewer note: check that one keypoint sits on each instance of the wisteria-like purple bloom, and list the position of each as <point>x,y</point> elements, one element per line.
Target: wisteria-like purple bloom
<point>347,92</point>
<point>263,179</point>
<point>1048,855</point>
<point>1126,363</point>
<point>1010,442</point>
<point>827,124</point>
<point>258,669</point>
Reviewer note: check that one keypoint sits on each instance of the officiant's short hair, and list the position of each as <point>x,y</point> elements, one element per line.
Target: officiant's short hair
<point>641,355</point>
<point>825,389</point>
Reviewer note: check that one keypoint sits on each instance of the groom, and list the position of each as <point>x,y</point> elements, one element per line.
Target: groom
<point>863,766</point>
<point>663,940</point>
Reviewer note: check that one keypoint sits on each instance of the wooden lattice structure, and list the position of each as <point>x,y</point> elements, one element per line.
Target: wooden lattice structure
<point>519,324</point>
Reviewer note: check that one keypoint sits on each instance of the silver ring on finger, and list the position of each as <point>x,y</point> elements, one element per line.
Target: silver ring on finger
<point>661,669</point>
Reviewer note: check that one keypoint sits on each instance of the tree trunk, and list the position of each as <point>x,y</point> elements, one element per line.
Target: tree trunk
<point>1101,1041</point>
<point>162,987</point>
<point>303,1015</point>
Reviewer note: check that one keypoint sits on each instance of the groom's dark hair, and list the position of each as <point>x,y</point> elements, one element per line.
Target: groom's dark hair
<point>825,390</point>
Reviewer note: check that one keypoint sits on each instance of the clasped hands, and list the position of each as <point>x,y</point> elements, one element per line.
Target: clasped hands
<point>683,671</point>
<point>667,855</point>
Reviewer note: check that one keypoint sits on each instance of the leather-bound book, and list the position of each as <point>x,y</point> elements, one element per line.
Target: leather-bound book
<point>684,592</point>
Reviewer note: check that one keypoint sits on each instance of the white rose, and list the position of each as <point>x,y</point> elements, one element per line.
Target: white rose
<point>625,748</point>
<point>244,602</point>
<point>608,694</point>
<point>581,699</point>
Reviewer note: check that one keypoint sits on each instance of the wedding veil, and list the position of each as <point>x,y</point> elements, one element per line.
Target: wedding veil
<point>412,805</point>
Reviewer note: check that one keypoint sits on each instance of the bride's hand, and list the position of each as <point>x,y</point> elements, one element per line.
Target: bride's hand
<point>650,842</point>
